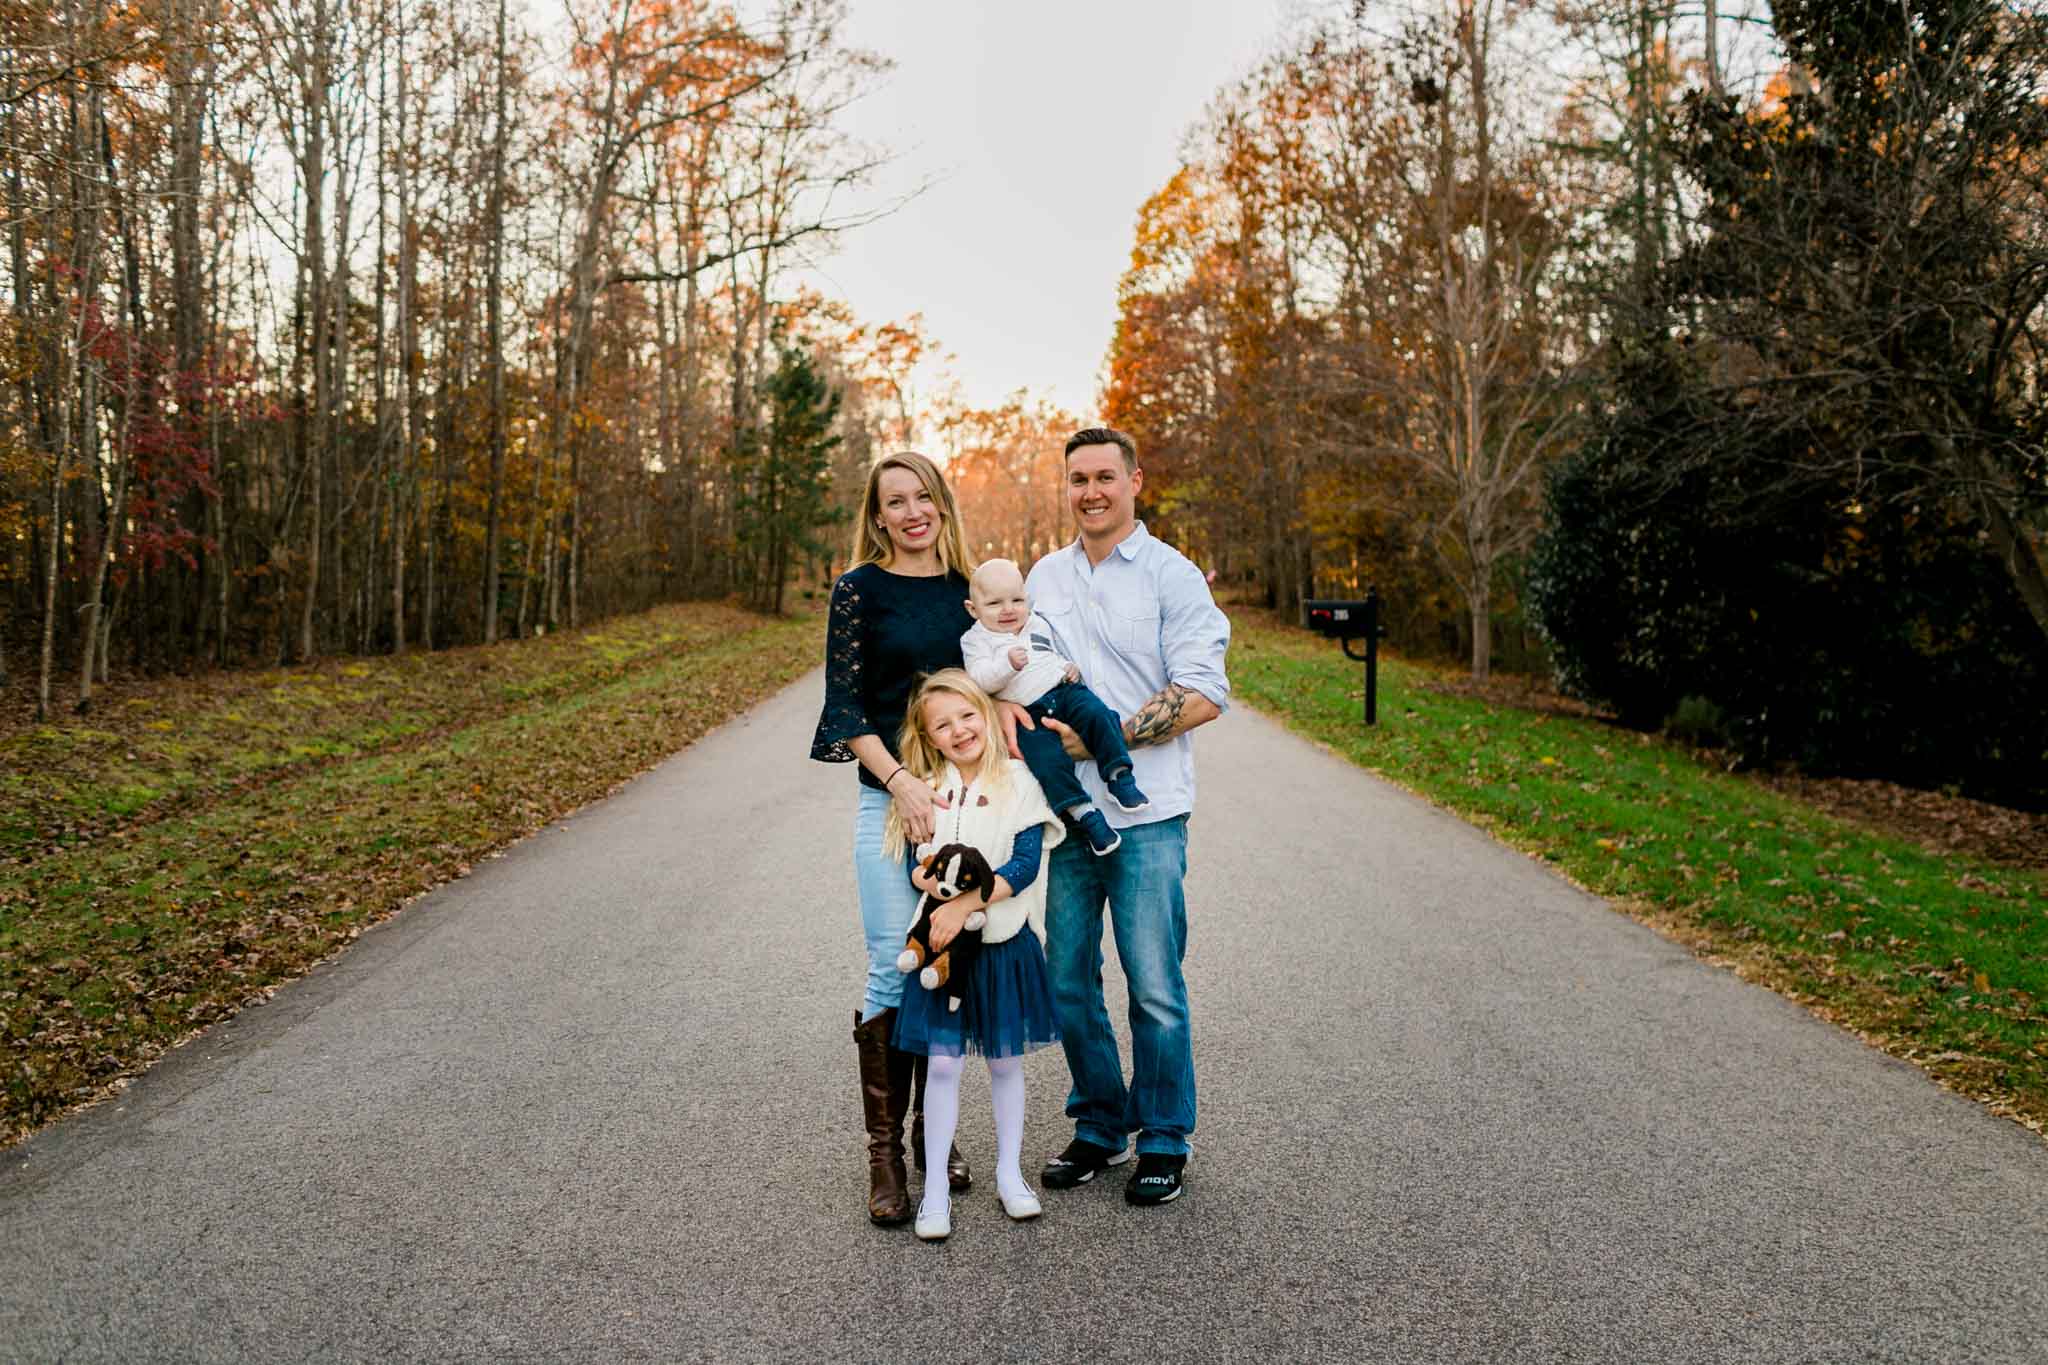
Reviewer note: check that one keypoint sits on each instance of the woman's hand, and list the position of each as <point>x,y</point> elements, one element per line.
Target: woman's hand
<point>914,804</point>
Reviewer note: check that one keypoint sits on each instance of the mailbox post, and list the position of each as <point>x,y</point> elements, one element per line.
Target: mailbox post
<point>1346,622</point>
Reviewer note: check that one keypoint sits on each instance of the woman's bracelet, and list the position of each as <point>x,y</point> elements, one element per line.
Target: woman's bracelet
<point>891,777</point>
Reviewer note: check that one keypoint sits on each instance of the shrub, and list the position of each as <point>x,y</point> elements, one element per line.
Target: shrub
<point>1838,630</point>
<point>1698,722</point>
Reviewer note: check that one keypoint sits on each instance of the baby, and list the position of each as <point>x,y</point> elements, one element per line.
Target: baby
<point>1009,651</point>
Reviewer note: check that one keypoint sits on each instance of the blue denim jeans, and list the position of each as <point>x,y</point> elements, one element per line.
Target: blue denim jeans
<point>1045,753</point>
<point>888,903</point>
<point>1141,884</point>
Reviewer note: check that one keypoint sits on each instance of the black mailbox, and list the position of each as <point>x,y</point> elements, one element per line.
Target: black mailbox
<point>1346,621</point>
<point>1341,620</point>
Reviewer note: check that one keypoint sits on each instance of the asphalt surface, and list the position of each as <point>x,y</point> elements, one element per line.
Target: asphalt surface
<point>597,1101</point>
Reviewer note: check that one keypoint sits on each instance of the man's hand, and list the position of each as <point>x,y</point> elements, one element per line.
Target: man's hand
<point>1012,716</point>
<point>1069,741</point>
<point>1019,656</point>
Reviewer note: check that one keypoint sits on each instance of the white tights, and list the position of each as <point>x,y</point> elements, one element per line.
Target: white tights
<point>942,1117</point>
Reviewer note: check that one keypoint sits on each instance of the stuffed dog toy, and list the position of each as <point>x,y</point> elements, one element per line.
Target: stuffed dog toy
<point>959,869</point>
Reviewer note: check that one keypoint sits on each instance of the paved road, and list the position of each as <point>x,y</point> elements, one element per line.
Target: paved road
<point>597,1101</point>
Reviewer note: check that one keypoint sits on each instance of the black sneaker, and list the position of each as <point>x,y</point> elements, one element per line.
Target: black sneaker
<point>1101,838</point>
<point>1123,789</point>
<point>1157,1180</point>
<point>1080,1163</point>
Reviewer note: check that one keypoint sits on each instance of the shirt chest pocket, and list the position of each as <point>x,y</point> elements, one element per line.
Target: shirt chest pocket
<point>1132,625</point>
<point>1128,624</point>
<point>1059,614</point>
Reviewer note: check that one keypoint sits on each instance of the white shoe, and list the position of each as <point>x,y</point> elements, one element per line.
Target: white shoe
<point>935,1227</point>
<point>1020,1207</point>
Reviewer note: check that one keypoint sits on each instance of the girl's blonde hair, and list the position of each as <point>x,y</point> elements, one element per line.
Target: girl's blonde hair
<point>871,545</point>
<point>921,757</point>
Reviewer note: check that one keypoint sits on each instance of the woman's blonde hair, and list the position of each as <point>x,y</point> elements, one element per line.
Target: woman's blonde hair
<point>921,756</point>
<point>871,544</point>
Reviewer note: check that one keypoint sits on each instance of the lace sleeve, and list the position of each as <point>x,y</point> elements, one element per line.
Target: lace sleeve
<point>845,716</point>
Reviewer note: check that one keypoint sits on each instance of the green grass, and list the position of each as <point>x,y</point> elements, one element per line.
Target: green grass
<point>1937,958</point>
<point>231,832</point>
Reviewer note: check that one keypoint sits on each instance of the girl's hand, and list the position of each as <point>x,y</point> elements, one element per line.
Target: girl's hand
<point>914,804</point>
<point>946,923</point>
<point>1073,673</point>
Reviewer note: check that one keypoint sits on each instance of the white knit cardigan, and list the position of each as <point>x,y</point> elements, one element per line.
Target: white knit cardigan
<point>991,821</point>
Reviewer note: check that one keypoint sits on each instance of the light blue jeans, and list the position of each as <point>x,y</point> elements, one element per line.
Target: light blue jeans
<point>1141,883</point>
<point>888,903</point>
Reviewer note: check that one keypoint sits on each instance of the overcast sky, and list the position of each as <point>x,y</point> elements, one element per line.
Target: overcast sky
<point>1045,124</point>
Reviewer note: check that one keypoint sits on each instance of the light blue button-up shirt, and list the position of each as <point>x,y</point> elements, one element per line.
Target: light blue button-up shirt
<point>1140,619</point>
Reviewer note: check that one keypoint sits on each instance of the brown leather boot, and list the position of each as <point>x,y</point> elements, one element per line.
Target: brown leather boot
<point>959,1179</point>
<point>885,1098</point>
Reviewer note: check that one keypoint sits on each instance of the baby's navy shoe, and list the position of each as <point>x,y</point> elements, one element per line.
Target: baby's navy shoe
<point>1101,838</point>
<point>1123,789</point>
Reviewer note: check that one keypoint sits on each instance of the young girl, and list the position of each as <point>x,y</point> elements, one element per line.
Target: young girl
<point>985,798</point>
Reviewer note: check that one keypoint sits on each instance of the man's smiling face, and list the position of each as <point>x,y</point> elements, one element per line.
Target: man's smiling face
<point>1102,493</point>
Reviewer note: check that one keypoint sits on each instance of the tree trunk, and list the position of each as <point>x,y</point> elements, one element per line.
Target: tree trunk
<point>56,535</point>
<point>693,572</point>
<point>95,637</point>
<point>408,345</point>
<point>495,306</point>
<point>71,350</point>
<point>95,533</point>
<point>313,170</point>
<point>1713,45</point>
<point>1479,596</point>
<point>339,590</point>
<point>2011,539</point>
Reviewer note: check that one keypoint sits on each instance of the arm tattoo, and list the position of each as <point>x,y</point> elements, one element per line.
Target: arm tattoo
<point>1159,719</point>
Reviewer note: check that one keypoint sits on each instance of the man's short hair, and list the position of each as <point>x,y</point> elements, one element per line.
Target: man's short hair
<point>1105,436</point>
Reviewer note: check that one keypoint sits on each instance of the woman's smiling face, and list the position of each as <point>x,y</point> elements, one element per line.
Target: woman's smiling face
<point>956,727</point>
<point>909,515</point>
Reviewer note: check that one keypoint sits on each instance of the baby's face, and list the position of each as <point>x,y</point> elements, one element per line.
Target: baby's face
<point>999,603</point>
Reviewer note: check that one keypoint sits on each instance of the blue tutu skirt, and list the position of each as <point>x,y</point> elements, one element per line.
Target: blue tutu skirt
<point>1006,1010</point>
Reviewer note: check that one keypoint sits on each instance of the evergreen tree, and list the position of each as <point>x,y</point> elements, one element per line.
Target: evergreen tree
<point>789,498</point>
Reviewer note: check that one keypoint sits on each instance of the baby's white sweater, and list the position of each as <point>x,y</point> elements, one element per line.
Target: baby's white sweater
<point>987,657</point>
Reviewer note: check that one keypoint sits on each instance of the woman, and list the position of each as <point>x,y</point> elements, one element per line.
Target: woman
<point>897,613</point>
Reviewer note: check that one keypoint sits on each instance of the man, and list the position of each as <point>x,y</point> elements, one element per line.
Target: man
<point>1139,620</point>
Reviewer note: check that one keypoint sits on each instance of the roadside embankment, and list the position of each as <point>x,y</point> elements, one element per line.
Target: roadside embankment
<point>1936,957</point>
<point>193,844</point>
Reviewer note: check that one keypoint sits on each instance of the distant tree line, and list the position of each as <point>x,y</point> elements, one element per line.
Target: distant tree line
<point>353,325</point>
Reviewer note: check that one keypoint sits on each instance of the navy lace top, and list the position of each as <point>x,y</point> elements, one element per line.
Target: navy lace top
<point>885,630</point>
